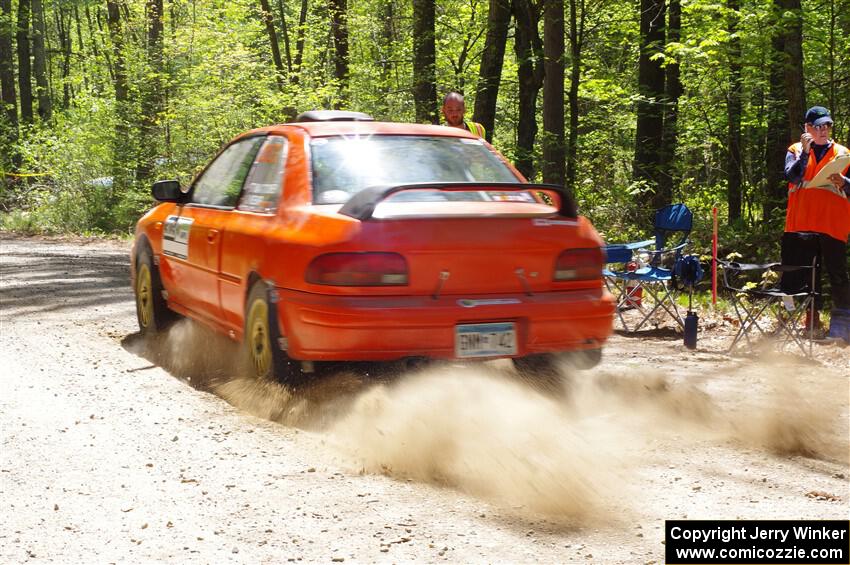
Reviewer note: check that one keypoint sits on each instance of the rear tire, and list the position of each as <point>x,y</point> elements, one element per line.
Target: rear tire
<point>264,358</point>
<point>151,308</point>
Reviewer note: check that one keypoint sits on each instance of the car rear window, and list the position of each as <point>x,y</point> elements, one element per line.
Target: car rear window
<point>345,165</point>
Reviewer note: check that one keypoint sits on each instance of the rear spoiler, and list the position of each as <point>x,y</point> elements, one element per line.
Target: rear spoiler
<point>362,205</point>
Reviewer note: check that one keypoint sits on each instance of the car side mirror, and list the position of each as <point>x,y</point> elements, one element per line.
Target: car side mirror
<point>167,191</point>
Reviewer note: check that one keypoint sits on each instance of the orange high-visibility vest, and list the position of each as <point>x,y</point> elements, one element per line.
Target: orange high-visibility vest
<point>475,128</point>
<point>814,209</point>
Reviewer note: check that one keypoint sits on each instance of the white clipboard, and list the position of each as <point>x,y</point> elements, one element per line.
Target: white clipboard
<point>837,165</point>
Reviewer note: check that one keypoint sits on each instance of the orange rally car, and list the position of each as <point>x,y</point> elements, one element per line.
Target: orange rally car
<point>339,238</point>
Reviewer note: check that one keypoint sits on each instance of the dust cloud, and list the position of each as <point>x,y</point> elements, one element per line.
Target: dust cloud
<point>774,407</point>
<point>486,435</point>
<point>564,451</point>
<point>792,419</point>
<point>192,352</point>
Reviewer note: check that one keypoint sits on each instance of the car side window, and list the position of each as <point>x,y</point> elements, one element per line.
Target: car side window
<point>265,180</point>
<point>221,183</point>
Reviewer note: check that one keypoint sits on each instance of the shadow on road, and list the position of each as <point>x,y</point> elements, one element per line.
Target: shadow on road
<point>661,334</point>
<point>211,362</point>
<point>38,281</point>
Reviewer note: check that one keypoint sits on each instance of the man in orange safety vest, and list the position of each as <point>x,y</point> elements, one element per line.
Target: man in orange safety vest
<point>817,220</point>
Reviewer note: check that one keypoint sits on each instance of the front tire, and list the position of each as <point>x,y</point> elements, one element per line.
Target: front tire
<point>151,308</point>
<point>264,358</point>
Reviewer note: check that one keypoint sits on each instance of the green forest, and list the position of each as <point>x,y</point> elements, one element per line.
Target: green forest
<point>629,104</point>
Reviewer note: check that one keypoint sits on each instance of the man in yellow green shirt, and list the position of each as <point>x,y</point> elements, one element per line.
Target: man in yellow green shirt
<point>453,110</point>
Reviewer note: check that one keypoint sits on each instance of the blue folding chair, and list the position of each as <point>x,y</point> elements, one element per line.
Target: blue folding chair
<point>629,294</point>
<point>653,261</point>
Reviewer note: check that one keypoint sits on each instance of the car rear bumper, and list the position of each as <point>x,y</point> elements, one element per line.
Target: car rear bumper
<point>334,328</point>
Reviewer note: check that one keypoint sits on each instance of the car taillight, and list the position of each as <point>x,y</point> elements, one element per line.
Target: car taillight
<point>358,269</point>
<point>579,264</point>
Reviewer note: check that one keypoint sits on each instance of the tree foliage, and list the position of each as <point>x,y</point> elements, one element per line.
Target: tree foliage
<point>102,96</point>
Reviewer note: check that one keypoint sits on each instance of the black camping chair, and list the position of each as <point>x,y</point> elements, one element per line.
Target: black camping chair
<point>753,298</point>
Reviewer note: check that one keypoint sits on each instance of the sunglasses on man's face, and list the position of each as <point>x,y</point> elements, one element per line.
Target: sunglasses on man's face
<point>820,127</point>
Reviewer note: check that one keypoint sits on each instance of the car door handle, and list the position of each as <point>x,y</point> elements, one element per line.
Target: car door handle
<point>212,235</point>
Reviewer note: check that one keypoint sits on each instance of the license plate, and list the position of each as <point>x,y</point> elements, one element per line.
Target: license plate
<point>485,340</point>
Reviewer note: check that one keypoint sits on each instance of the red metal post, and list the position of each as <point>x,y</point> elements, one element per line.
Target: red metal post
<point>714,260</point>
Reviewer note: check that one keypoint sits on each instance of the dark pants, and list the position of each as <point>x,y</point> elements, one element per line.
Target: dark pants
<point>801,248</point>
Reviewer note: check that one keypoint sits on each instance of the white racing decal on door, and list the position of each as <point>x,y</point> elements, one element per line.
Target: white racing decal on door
<point>175,236</point>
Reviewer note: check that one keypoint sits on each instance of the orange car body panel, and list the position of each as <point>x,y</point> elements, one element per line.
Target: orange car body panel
<point>500,267</point>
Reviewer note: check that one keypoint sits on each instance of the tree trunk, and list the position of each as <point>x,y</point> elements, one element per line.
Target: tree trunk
<point>529,54</point>
<point>106,55</point>
<point>385,50</point>
<point>82,51</point>
<point>673,91</point>
<point>155,12</point>
<point>777,134</point>
<point>120,153</point>
<point>650,115</point>
<point>424,62</point>
<point>116,35</point>
<point>284,28</point>
<point>24,70</point>
<point>339,26</point>
<point>577,17</point>
<point>8,97</point>
<point>63,29</point>
<point>79,27</point>
<point>794,80</point>
<point>268,20</point>
<point>733,112</point>
<point>324,50</point>
<point>490,71</point>
<point>786,107</point>
<point>153,96</point>
<point>42,86</point>
<point>299,43</point>
<point>554,152</point>
<point>831,49</point>
<point>91,31</point>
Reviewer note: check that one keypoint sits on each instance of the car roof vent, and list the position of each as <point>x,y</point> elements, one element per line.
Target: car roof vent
<point>333,116</point>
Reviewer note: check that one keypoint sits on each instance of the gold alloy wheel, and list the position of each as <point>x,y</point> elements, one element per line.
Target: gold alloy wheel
<point>258,338</point>
<point>144,296</point>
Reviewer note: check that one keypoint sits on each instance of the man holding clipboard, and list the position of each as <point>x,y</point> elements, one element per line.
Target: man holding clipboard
<point>817,221</point>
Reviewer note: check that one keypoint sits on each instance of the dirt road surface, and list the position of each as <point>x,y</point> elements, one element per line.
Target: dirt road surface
<point>116,450</point>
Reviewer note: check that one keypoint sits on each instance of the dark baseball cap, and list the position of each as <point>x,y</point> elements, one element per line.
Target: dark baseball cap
<point>818,115</point>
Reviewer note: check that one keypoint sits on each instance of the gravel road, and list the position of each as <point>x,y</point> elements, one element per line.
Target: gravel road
<point>117,450</point>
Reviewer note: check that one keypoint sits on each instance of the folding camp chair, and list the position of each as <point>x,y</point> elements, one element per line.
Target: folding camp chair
<point>629,294</point>
<point>645,268</point>
<point>759,305</point>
